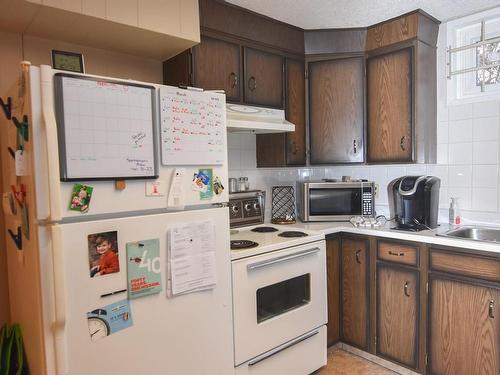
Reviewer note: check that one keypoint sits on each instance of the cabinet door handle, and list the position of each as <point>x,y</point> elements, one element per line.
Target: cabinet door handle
<point>406,289</point>
<point>491,308</point>
<point>252,83</point>
<point>402,143</point>
<point>355,146</point>
<point>234,80</point>
<point>357,256</point>
<point>401,254</point>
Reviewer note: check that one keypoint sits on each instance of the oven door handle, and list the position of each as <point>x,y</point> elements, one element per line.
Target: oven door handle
<point>283,258</point>
<point>282,347</point>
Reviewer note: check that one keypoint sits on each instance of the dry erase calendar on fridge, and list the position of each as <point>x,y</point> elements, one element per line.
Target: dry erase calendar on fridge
<point>106,128</point>
<point>193,127</point>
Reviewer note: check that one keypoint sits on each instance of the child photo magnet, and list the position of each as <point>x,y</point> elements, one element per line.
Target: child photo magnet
<point>103,253</point>
<point>80,198</point>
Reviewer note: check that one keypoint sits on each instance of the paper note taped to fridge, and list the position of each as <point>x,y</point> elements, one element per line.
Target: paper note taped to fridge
<point>105,128</point>
<point>193,127</point>
<point>191,257</point>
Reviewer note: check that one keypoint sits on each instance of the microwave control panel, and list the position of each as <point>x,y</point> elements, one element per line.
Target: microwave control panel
<point>367,202</point>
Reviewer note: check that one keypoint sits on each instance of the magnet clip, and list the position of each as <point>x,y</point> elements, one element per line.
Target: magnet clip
<point>18,239</point>
<point>7,107</point>
<point>22,126</point>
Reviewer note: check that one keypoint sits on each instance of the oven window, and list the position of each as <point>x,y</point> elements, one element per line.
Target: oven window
<point>277,299</point>
<point>324,202</point>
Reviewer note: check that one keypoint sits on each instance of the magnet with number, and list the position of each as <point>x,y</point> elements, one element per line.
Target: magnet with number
<point>143,268</point>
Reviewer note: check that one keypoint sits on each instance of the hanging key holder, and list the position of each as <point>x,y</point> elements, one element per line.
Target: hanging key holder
<point>7,107</point>
<point>17,238</point>
<point>22,128</point>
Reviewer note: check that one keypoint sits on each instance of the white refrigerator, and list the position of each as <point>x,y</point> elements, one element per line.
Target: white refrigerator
<point>52,290</point>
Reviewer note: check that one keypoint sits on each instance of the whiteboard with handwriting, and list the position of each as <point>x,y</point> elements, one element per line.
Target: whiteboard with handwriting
<point>193,127</point>
<point>105,128</point>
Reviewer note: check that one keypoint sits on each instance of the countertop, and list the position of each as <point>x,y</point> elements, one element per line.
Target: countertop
<point>426,236</point>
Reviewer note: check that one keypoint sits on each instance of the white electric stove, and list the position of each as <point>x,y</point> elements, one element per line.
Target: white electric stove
<point>279,293</point>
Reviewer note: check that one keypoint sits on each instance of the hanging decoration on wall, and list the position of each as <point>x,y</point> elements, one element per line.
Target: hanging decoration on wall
<point>7,107</point>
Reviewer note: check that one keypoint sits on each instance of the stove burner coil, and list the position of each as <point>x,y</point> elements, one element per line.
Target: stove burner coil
<point>292,233</point>
<point>242,244</point>
<point>264,229</point>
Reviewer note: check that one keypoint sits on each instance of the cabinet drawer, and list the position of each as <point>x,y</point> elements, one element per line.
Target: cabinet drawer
<point>465,264</point>
<point>303,355</point>
<point>398,253</point>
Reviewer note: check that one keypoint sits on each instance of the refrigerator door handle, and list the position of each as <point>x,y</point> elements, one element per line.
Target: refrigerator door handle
<point>60,301</point>
<point>49,119</point>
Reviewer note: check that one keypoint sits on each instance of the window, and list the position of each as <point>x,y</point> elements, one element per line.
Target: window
<point>474,42</point>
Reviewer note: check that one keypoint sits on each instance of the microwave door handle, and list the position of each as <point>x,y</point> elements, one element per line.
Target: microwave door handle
<point>283,258</point>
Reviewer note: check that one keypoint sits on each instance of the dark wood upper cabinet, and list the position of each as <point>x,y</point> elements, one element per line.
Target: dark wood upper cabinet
<point>287,149</point>
<point>216,66</point>
<point>390,109</point>
<point>212,65</point>
<point>263,82</point>
<point>464,331</point>
<point>295,108</point>
<point>355,292</point>
<point>398,296</point>
<point>336,110</point>
<point>333,289</point>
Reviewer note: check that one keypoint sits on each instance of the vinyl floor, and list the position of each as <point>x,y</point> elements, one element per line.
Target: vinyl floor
<point>341,362</point>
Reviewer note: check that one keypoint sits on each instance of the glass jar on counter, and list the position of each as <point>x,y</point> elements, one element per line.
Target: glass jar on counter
<point>243,184</point>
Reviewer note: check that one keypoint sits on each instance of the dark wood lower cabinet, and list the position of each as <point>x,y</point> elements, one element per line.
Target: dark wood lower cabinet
<point>464,328</point>
<point>355,291</point>
<point>398,296</point>
<point>333,289</point>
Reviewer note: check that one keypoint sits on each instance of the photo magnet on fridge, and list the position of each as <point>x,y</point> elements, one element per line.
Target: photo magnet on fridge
<point>143,268</point>
<point>201,181</point>
<point>103,253</point>
<point>109,319</point>
<point>80,198</point>
<point>218,187</point>
<point>208,191</point>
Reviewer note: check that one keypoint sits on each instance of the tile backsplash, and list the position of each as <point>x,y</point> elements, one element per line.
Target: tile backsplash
<point>468,149</point>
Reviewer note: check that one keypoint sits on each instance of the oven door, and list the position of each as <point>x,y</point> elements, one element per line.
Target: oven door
<point>277,297</point>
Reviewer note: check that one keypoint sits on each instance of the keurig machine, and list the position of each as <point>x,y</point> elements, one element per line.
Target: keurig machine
<point>414,202</point>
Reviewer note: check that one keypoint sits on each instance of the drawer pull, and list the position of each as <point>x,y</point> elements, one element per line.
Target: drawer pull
<point>252,83</point>
<point>491,308</point>
<point>406,290</point>
<point>400,254</point>
<point>357,256</point>
<point>234,80</point>
<point>402,143</point>
<point>281,348</point>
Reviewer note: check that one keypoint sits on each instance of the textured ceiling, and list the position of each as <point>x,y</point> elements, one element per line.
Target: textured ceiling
<point>318,14</point>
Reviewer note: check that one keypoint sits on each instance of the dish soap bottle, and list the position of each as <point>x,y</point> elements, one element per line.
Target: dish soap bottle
<point>454,214</point>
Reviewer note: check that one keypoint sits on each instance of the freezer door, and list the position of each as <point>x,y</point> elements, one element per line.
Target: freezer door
<point>54,196</point>
<point>186,334</point>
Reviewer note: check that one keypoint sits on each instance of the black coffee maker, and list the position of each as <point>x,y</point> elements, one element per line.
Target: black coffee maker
<point>414,202</point>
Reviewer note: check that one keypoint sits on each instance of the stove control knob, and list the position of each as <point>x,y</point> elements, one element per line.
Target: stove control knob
<point>248,207</point>
<point>256,206</point>
<point>235,209</point>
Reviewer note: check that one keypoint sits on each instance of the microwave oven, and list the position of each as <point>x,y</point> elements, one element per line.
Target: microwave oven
<point>335,201</point>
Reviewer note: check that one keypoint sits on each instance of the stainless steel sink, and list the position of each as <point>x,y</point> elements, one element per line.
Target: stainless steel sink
<point>474,233</point>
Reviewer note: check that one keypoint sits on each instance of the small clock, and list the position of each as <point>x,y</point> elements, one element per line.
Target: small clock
<point>69,61</point>
<point>98,328</point>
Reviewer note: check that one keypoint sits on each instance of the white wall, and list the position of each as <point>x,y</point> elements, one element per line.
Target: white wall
<point>468,158</point>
